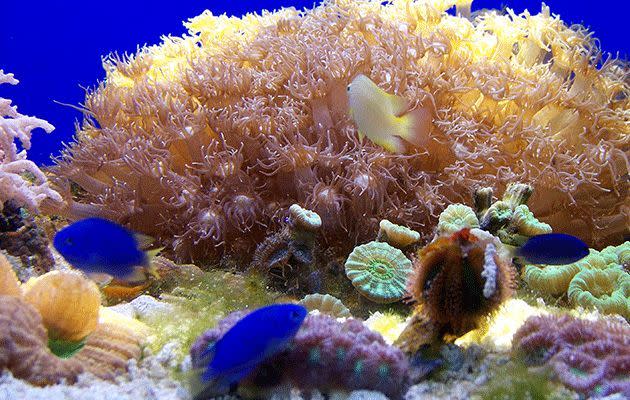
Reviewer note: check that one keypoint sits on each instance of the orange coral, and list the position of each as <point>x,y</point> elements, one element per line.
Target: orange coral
<point>207,136</point>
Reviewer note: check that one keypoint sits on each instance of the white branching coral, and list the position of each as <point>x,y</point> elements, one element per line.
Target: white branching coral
<point>13,164</point>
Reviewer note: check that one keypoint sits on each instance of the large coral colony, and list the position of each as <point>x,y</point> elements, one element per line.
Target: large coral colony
<point>235,148</point>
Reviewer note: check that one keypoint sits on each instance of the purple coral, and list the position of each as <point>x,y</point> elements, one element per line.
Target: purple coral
<point>590,357</point>
<point>326,355</point>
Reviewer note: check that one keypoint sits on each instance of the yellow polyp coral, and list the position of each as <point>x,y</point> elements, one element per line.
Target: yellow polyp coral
<point>606,290</point>
<point>390,326</point>
<point>9,284</point>
<point>67,301</point>
<point>326,304</point>
<point>23,346</point>
<point>397,235</point>
<point>456,217</point>
<point>497,331</point>
<point>514,97</point>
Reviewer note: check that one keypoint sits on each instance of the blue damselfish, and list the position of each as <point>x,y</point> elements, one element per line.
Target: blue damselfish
<point>553,249</point>
<point>100,246</point>
<point>256,337</point>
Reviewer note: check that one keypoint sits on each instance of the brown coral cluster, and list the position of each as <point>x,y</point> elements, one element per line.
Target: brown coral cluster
<point>210,135</point>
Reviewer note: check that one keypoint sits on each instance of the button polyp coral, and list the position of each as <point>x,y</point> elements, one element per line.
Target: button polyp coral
<point>207,136</point>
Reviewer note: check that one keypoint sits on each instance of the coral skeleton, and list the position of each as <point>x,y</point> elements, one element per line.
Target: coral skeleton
<point>14,167</point>
<point>213,134</point>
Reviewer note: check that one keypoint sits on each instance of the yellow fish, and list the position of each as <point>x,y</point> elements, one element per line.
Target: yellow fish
<point>385,118</point>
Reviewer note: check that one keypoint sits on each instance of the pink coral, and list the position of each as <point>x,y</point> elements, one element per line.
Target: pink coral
<point>590,357</point>
<point>326,355</point>
<point>13,165</point>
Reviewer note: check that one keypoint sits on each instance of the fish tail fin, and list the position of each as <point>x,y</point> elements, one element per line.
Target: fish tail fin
<point>151,268</point>
<point>393,144</point>
<point>415,126</point>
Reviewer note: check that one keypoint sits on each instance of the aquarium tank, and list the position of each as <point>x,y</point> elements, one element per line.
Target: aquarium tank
<point>294,200</point>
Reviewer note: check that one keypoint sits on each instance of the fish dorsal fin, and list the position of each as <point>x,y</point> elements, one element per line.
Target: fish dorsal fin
<point>399,105</point>
<point>144,241</point>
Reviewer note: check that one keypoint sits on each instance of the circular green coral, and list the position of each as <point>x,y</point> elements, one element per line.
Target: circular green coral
<point>456,217</point>
<point>378,271</point>
<point>555,279</point>
<point>607,290</point>
<point>617,254</point>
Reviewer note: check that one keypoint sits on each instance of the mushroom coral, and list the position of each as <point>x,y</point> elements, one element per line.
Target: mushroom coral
<point>209,135</point>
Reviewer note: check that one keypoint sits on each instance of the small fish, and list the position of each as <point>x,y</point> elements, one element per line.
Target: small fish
<point>98,246</point>
<point>553,249</point>
<point>385,118</point>
<point>258,336</point>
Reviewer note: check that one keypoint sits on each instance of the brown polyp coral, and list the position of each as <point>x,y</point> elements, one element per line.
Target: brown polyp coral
<point>457,280</point>
<point>57,310</point>
<point>207,136</point>
<point>23,348</point>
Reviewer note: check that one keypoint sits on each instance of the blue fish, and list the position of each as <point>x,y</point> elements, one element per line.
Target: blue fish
<point>553,249</point>
<point>256,337</point>
<point>100,246</point>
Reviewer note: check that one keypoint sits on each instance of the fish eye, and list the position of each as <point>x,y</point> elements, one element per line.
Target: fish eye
<point>69,241</point>
<point>295,315</point>
<point>348,88</point>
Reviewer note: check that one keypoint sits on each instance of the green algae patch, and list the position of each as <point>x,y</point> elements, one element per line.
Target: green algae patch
<point>64,348</point>
<point>200,303</point>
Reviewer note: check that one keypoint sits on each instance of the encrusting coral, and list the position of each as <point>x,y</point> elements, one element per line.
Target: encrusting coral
<point>207,136</point>
<point>378,271</point>
<point>326,355</point>
<point>457,280</point>
<point>21,237</point>
<point>590,357</point>
<point>14,166</point>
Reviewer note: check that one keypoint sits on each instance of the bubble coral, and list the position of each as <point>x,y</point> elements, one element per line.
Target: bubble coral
<point>586,356</point>
<point>456,217</point>
<point>378,271</point>
<point>9,284</point>
<point>326,304</point>
<point>256,106</point>
<point>607,290</point>
<point>68,303</point>
<point>23,348</point>
<point>459,279</point>
<point>326,355</point>
<point>397,235</point>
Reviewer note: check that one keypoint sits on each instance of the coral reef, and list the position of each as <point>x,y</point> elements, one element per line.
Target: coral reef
<point>24,348</point>
<point>195,139</point>
<point>68,303</point>
<point>457,281</point>
<point>607,290</point>
<point>325,355</point>
<point>9,284</point>
<point>21,237</point>
<point>600,280</point>
<point>396,235</point>
<point>378,271</point>
<point>24,191</point>
<point>509,218</point>
<point>286,257</point>
<point>590,357</point>
<point>326,304</point>
<point>456,217</point>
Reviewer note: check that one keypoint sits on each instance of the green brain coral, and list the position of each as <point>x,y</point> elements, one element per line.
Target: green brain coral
<point>378,271</point>
<point>456,217</point>
<point>606,290</point>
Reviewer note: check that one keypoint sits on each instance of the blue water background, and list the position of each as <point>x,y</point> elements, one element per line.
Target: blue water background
<point>55,47</point>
